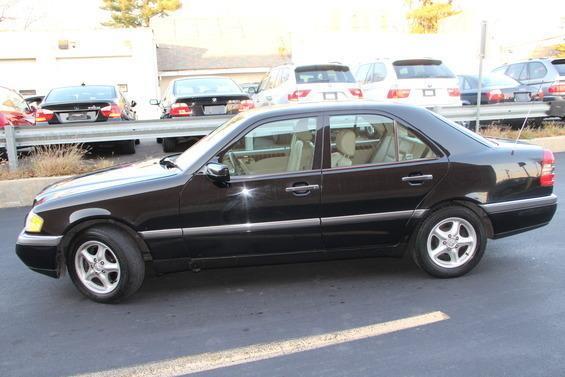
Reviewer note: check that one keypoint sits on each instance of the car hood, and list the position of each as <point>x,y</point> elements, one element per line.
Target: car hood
<point>120,175</point>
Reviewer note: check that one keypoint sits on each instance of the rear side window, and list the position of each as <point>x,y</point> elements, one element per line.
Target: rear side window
<point>378,73</point>
<point>81,93</point>
<point>421,68</point>
<point>361,139</point>
<point>323,74</point>
<point>517,71</point>
<point>536,70</point>
<point>559,65</point>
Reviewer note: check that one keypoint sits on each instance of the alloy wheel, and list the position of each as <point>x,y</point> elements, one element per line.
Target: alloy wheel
<point>452,242</point>
<point>97,267</point>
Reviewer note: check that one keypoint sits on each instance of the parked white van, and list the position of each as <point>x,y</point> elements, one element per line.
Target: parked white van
<point>422,82</point>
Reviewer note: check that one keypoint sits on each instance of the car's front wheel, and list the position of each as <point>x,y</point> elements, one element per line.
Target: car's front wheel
<point>105,264</point>
<point>450,242</point>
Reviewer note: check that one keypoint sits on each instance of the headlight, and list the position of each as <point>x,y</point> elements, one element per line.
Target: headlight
<point>34,223</point>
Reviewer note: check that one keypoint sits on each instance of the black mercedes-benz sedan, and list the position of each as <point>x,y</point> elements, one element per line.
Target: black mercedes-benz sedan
<point>307,182</point>
<point>88,103</point>
<point>200,96</point>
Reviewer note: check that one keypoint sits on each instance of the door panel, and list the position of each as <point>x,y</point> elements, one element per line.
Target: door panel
<point>376,172</point>
<point>271,205</point>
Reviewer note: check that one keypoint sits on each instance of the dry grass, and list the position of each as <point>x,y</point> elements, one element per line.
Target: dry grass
<point>550,129</point>
<point>53,161</point>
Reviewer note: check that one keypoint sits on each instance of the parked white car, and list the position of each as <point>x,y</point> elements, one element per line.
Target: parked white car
<point>421,82</point>
<point>307,83</point>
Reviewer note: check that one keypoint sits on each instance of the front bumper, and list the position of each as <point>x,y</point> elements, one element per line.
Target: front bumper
<point>40,253</point>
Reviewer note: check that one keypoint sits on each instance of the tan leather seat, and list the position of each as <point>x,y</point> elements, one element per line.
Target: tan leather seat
<point>301,153</point>
<point>345,144</point>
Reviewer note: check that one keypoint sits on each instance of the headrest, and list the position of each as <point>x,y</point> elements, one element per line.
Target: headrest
<point>345,142</point>
<point>305,136</point>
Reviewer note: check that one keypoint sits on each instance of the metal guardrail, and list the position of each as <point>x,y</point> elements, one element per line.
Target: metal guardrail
<point>12,137</point>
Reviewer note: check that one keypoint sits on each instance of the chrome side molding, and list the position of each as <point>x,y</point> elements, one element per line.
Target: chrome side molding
<point>274,225</point>
<point>516,205</point>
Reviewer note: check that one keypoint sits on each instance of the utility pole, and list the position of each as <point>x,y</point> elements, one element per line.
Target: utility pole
<point>481,58</point>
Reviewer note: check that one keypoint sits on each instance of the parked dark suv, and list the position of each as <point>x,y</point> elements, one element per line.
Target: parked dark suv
<point>545,78</point>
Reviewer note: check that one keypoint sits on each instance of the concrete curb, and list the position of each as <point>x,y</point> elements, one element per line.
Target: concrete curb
<point>553,143</point>
<point>20,192</point>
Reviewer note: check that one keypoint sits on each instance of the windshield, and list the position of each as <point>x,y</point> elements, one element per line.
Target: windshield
<point>323,74</point>
<point>205,86</point>
<point>81,93</point>
<point>191,155</point>
<point>559,66</point>
<point>421,68</point>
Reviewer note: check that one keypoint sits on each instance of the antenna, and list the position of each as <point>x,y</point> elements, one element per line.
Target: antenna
<point>529,111</point>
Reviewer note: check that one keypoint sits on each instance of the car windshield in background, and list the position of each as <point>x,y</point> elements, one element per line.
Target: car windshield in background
<point>323,74</point>
<point>192,87</point>
<point>81,93</point>
<point>559,66</point>
<point>421,68</point>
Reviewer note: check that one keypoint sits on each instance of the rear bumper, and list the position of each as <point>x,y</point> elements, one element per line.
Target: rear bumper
<point>518,216</point>
<point>40,253</point>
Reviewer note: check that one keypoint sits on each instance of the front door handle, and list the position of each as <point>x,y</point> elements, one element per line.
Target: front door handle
<point>302,188</point>
<point>417,179</point>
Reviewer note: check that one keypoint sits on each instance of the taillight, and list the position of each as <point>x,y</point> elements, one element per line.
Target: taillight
<point>43,115</point>
<point>495,95</point>
<point>245,105</point>
<point>547,177</point>
<point>453,92</point>
<point>180,110</point>
<point>111,111</point>
<point>297,94</point>
<point>4,121</point>
<point>557,88</point>
<point>356,92</point>
<point>398,93</point>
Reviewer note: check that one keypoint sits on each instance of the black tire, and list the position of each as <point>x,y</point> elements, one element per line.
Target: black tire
<point>159,140</point>
<point>137,141</point>
<point>169,144</point>
<point>129,259</point>
<point>420,243</point>
<point>127,147</point>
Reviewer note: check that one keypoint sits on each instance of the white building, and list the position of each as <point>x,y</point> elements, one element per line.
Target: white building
<point>34,62</point>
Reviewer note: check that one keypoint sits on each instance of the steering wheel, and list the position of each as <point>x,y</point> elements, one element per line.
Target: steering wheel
<point>238,166</point>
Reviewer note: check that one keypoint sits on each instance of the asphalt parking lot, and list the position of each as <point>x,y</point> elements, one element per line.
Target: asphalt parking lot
<point>506,318</point>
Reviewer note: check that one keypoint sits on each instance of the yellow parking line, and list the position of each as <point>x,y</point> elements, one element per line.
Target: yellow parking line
<point>214,360</point>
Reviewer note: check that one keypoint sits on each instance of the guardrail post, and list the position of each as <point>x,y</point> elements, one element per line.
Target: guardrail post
<point>11,149</point>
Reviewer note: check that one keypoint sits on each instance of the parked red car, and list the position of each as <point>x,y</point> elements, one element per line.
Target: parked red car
<point>14,110</point>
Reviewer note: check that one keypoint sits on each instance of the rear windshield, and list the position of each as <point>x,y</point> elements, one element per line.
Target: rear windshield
<point>189,87</point>
<point>495,80</point>
<point>323,74</point>
<point>421,68</point>
<point>559,66</point>
<point>81,93</point>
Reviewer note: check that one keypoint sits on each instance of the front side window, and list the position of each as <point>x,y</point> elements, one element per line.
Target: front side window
<point>362,71</point>
<point>378,73</point>
<point>515,71</point>
<point>274,147</point>
<point>361,139</point>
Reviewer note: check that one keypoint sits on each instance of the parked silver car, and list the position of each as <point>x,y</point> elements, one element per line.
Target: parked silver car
<point>307,83</point>
<point>545,78</point>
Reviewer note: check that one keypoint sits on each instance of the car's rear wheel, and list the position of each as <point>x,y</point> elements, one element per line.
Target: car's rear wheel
<point>105,264</point>
<point>450,242</point>
<point>169,144</point>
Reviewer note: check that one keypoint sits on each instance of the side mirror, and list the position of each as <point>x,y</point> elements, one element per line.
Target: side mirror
<point>133,103</point>
<point>217,172</point>
<point>154,102</point>
<point>251,90</point>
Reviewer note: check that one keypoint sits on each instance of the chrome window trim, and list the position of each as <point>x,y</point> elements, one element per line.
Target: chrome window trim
<point>27,239</point>
<point>521,204</point>
<point>274,225</point>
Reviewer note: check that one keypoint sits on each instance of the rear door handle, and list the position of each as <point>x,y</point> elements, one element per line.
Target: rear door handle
<point>417,179</point>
